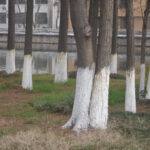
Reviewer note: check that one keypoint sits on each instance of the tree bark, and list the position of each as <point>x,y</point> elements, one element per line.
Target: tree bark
<point>61,64</point>
<point>10,58</point>
<point>99,99</point>
<point>113,66</point>
<point>143,44</point>
<point>130,99</point>
<point>93,21</point>
<point>29,23</point>
<point>83,35</point>
<point>27,66</point>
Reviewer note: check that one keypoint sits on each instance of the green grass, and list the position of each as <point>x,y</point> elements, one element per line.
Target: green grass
<point>116,96</point>
<point>23,113</point>
<point>4,87</point>
<point>29,122</point>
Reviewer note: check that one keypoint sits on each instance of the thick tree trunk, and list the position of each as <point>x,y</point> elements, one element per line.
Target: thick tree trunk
<point>83,35</point>
<point>113,65</point>
<point>143,44</point>
<point>27,66</point>
<point>10,57</point>
<point>61,64</point>
<point>93,21</point>
<point>130,98</point>
<point>99,99</point>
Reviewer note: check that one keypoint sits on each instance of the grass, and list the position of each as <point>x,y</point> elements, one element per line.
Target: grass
<point>32,120</point>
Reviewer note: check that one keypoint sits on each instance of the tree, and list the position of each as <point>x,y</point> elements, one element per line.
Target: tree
<point>113,66</point>
<point>84,81</point>
<point>27,66</point>
<point>99,99</point>
<point>93,21</point>
<point>61,64</point>
<point>130,99</point>
<point>143,43</point>
<point>10,58</point>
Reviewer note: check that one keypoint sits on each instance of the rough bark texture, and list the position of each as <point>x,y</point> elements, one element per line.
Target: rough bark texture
<point>29,23</point>
<point>115,28</point>
<point>130,97</point>
<point>62,47</point>
<point>130,34</point>
<point>105,40</point>
<point>11,25</point>
<point>83,33</point>
<point>144,30</point>
<point>93,20</point>
<point>143,43</point>
<point>84,81</point>
<point>99,98</point>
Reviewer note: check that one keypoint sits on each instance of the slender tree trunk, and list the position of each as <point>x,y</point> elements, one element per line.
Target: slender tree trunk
<point>93,21</point>
<point>99,99</point>
<point>10,57</point>
<point>83,35</point>
<point>27,66</point>
<point>143,44</point>
<point>61,64</point>
<point>113,66</point>
<point>130,98</point>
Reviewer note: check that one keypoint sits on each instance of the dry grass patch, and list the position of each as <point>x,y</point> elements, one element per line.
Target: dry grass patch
<point>38,140</point>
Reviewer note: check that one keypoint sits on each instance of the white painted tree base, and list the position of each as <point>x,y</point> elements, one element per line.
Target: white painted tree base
<point>130,98</point>
<point>80,119</point>
<point>99,100</point>
<point>61,73</point>
<point>142,82</point>
<point>148,87</point>
<point>10,61</point>
<point>113,65</point>
<point>27,72</point>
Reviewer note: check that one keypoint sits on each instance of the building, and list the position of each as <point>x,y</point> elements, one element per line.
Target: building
<point>47,14</point>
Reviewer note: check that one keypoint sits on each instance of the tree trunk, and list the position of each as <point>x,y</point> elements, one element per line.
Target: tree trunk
<point>93,21</point>
<point>99,99</point>
<point>130,99</point>
<point>143,44</point>
<point>10,57</point>
<point>83,35</point>
<point>113,65</point>
<point>61,64</point>
<point>27,66</point>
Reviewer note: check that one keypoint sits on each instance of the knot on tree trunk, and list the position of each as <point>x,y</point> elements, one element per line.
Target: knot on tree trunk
<point>87,30</point>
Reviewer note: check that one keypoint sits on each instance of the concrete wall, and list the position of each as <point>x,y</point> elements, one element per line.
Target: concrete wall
<point>49,42</point>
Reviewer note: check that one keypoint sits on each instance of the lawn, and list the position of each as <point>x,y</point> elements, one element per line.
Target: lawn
<point>31,120</point>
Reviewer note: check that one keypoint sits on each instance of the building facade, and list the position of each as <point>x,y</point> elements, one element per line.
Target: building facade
<point>47,14</point>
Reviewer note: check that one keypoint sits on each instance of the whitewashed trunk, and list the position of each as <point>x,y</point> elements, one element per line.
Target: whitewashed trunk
<point>142,82</point>
<point>113,65</point>
<point>80,118</point>
<point>10,61</point>
<point>148,87</point>
<point>130,97</point>
<point>99,99</point>
<point>61,73</point>
<point>27,72</point>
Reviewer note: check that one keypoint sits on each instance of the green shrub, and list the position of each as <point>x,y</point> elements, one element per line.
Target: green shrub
<point>63,106</point>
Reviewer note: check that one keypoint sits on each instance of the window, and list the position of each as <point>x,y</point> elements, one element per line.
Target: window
<point>122,22</point>
<point>20,18</point>
<point>41,18</point>
<point>20,1</point>
<point>41,2</point>
<point>3,18</point>
<point>122,4</point>
<point>2,2</point>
